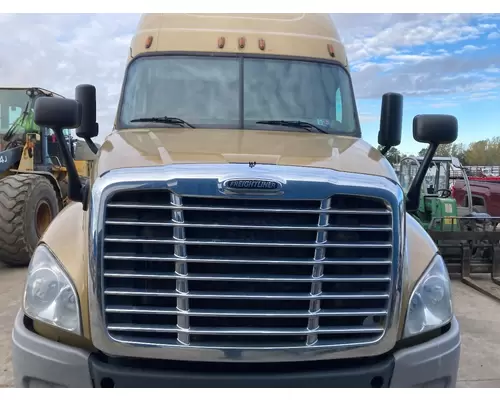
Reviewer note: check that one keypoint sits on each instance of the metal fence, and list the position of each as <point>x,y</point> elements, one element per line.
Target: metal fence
<point>483,170</point>
<point>455,174</point>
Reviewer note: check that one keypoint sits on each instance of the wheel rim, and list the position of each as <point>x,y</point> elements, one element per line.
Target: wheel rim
<point>43,217</point>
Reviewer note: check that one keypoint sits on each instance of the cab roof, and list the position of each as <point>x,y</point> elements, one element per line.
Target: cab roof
<point>436,159</point>
<point>44,91</point>
<point>300,35</point>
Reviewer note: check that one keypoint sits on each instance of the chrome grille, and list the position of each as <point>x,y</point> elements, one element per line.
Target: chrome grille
<point>237,273</point>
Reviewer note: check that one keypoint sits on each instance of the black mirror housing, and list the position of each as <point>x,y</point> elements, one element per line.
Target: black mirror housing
<point>55,112</point>
<point>86,96</point>
<point>435,128</point>
<point>391,120</point>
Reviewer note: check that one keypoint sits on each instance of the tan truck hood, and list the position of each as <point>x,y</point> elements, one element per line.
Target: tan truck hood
<point>150,147</point>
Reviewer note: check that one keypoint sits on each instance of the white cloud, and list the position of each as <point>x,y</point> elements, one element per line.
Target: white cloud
<point>427,71</point>
<point>444,105</point>
<point>60,51</point>
<point>470,47</point>
<point>416,57</point>
<point>487,26</point>
<point>370,35</point>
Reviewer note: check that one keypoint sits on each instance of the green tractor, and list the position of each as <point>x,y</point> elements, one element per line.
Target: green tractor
<point>467,238</point>
<point>437,209</point>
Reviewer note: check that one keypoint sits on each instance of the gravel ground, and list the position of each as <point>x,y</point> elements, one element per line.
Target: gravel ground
<point>11,287</point>
<point>478,316</point>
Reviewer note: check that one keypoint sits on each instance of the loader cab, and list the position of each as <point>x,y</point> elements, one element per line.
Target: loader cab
<point>18,129</point>
<point>440,174</point>
<point>437,178</point>
<point>408,168</point>
<point>16,114</point>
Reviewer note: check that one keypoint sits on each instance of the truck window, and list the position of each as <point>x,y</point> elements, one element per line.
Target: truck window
<point>206,92</point>
<point>296,90</point>
<point>12,103</point>
<point>338,102</point>
<point>203,91</point>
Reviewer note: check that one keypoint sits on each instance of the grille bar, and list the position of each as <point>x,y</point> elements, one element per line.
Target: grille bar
<point>207,331</point>
<point>226,295</point>
<point>239,226</point>
<point>229,314</point>
<point>245,261</point>
<point>258,278</point>
<point>238,209</point>
<point>371,245</point>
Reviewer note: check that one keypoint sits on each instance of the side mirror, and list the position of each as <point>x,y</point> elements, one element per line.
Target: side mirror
<point>435,129</point>
<point>89,128</point>
<point>85,95</point>
<point>391,121</point>
<point>55,112</point>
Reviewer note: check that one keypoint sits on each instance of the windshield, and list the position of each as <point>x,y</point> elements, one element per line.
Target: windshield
<point>236,93</point>
<point>407,171</point>
<point>13,103</point>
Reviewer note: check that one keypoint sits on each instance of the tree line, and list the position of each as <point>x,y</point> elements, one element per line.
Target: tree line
<point>483,152</point>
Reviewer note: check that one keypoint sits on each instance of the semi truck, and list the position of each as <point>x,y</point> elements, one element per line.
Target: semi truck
<point>236,230</point>
<point>485,193</point>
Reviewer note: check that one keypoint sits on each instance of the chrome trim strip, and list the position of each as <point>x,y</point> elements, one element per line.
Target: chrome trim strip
<point>342,245</point>
<point>274,227</point>
<point>204,180</point>
<point>154,310</point>
<point>225,278</point>
<point>273,210</point>
<point>246,261</point>
<point>180,269</point>
<point>319,255</point>
<point>243,296</point>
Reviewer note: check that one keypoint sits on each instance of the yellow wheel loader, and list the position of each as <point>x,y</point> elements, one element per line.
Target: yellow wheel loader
<point>33,174</point>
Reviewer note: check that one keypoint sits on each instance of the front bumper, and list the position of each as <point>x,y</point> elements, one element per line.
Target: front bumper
<point>41,362</point>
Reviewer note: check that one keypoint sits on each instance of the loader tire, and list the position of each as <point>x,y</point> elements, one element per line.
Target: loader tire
<point>28,203</point>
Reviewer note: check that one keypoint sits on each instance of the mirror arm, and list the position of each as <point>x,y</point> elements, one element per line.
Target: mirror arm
<point>76,190</point>
<point>413,196</point>
<point>92,146</point>
<point>385,150</point>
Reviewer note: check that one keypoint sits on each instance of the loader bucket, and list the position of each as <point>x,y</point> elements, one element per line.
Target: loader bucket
<point>470,246</point>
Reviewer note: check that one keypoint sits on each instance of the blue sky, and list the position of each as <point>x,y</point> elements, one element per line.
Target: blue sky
<point>456,73</point>
<point>441,63</point>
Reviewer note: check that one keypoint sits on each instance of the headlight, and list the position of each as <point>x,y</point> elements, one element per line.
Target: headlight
<point>49,295</point>
<point>430,303</point>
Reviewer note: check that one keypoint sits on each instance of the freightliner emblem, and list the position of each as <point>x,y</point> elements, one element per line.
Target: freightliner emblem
<point>251,186</point>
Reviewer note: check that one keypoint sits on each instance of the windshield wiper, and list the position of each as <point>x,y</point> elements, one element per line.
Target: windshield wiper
<point>295,124</point>
<point>165,120</point>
